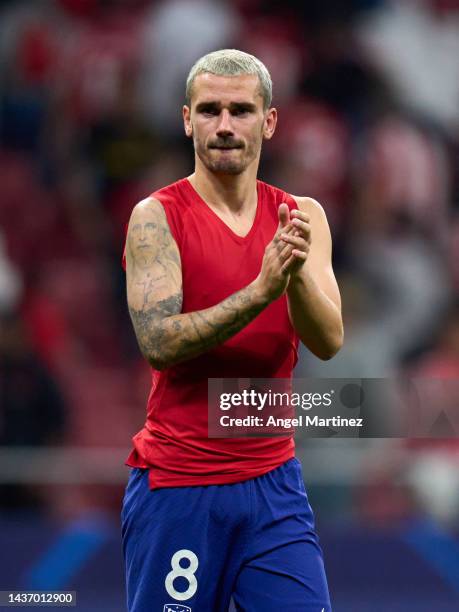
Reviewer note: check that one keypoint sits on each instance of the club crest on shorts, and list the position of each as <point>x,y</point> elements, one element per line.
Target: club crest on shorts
<point>176,608</point>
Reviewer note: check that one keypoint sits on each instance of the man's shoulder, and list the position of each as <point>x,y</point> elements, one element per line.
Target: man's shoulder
<point>310,206</point>
<point>304,203</point>
<point>317,216</point>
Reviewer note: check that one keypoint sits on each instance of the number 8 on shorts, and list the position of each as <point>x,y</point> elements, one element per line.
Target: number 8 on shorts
<point>179,571</point>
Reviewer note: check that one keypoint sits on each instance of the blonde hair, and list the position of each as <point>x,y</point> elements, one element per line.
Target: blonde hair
<point>231,62</point>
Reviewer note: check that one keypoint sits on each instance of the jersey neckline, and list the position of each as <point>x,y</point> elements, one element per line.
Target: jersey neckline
<point>220,221</point>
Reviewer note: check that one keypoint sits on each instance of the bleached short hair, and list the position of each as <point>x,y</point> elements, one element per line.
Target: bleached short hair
<point>231,62</point>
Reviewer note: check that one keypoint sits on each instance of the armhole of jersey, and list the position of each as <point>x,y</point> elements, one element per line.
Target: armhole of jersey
<point>290,201</point>
<point>172,219</point>
<point>123,257</point>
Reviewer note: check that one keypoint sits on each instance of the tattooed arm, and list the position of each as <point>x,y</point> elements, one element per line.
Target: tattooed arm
<point>154,291</point>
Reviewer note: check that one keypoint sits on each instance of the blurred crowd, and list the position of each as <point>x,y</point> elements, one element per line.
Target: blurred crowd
<point>90,122</point>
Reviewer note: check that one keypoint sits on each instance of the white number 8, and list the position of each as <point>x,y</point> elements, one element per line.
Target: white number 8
<point>187,573</point>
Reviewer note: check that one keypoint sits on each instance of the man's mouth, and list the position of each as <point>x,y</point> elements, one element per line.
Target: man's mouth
<point>225,147</point>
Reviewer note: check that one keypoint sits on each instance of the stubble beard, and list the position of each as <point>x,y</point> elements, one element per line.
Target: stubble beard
<point>232,167</point>
<point>225,166</point>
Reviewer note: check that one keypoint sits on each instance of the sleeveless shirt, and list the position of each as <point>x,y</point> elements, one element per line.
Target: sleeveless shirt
<point>216,262</point>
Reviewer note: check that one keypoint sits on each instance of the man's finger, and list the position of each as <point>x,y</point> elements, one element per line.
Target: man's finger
<point>299,214</point>
<point>287,229</point>
<point>283,214</point>
<point>297,241</point>
<point>303,227</point>
<point>297,258</point>
<point>285,252</point>
<point>299,254</point>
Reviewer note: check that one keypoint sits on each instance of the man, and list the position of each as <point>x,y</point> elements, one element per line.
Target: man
<point>224,274</point>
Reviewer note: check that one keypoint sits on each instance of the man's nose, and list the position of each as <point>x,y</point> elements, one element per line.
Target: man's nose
<point>225,126</point>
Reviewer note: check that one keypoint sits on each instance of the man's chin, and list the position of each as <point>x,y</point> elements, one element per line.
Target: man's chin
<point>228,163</point>
<point>226,167</point>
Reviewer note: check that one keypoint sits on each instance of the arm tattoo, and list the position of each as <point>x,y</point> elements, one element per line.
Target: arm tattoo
<point>166,336</point>
<point>168,339</point>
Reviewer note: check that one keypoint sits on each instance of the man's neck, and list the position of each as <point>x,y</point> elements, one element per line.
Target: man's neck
<point>225,192</point>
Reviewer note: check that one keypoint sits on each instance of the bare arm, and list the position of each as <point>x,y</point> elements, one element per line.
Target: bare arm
<point>154,292</point>
<point>313,296</point>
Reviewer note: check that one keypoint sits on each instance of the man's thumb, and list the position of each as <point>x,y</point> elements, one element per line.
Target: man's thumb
<point>284,215</point>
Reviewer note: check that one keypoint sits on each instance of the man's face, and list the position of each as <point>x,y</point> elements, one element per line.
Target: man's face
<point>227,121</point>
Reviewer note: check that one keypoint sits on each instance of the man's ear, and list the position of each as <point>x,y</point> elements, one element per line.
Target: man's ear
<point>270,123</point>
<point>186,111</point>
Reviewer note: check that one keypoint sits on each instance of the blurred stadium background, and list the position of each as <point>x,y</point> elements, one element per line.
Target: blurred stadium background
<point>90,122</point>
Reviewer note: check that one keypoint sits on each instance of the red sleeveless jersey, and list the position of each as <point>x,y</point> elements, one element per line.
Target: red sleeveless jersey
<point>216,263</point>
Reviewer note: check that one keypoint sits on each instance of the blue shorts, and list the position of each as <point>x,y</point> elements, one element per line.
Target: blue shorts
<point>196,548</point>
